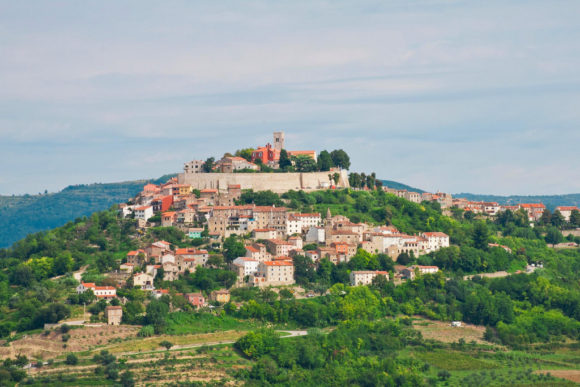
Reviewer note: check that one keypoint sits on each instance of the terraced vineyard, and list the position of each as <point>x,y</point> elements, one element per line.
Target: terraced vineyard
<point>202,364</point>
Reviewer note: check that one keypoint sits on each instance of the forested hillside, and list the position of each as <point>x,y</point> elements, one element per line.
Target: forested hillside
<point>26,214</point>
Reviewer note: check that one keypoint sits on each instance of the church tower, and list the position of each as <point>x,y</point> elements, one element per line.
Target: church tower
<point>278,141</point>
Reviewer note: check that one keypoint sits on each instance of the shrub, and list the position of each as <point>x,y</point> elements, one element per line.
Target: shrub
<point>166,344</point>
<point>146,331</point>
<point>71,359</point>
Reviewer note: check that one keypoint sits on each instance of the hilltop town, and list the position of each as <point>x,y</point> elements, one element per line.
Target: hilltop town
<point>269,236</point>
<point>273,235</point>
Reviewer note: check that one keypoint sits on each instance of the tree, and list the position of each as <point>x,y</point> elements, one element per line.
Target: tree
<point>233,248</point>
<point>258,343</point>
<point>553,236</point>
<point>380,282</point>
<point>159,277</point>
<point>404,259</point>
<point>71,359</point>
<point>354,179</point>
<point>245,153</point>
<point>22,275</point>
<point>208,165</point>
<point>340,159</point>
<point>304,163</point>
<point>557,219</point>
<point>336,177</point>
<point>51,314</point>
<point>284,161</point>
<point>443,375</point>
<point>480,236</point>
<point>216,262</point>
<point>63,263</point>
<point>286,294</point>
<point>127,379</point>
<point>575,218</point>
<point>156,315</point>
<point>546,218</point>
<point>324,161</point>
<point>167,344</point>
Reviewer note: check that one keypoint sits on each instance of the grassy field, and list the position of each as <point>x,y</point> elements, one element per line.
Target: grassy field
<point>180,323</point>
<point>153,343</point>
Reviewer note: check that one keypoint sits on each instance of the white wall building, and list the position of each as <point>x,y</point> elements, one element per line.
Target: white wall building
<point>245,266</point>
<point>144,212</point>
<point>316,235</point>
<point>99,291</point>
<point>366,277</point>
<point>436,240</point>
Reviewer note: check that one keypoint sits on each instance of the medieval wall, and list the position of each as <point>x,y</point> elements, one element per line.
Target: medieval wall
<point>277,182</point>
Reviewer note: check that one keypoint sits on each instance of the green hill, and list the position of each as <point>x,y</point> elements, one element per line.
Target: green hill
<point>26,214</point>
<point>397,185</point>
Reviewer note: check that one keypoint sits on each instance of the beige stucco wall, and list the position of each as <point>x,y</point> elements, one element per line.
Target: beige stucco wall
<point>277,182</point>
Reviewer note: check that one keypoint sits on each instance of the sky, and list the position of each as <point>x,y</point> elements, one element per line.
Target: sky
<point>453,96</point>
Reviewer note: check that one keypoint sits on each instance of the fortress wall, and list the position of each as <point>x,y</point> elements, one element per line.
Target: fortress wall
<point>277,182</point>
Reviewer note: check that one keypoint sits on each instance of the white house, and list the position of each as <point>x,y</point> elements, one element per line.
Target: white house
<point>365,277</point>
<point>436,240</point>
<point>245,266</point>
<point>144,212</point>
<point>99,291</point>
<point>144,280</point>
<point>298,222</point>
<point>566,211</point>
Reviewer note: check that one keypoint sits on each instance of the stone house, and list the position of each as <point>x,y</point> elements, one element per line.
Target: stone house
<point>274,273</point>
<point>278,247</point>
<point>222,296</point>
<point>114,315</point>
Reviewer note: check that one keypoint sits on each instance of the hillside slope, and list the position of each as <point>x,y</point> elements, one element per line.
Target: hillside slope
<point>22,215</point>
<point>397,185</point>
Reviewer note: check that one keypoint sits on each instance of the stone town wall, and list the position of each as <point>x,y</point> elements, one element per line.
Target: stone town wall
<point>277,182</point>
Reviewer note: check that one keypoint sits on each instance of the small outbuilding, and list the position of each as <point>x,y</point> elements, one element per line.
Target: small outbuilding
<point>114,315</point>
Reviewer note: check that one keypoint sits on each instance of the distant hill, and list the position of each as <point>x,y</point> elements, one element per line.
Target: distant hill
<point>397,185</point>
<point>25,214</point>
<point>551,201</point>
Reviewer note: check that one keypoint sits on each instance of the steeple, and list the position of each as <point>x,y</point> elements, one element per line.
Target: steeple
<point>328,214</point>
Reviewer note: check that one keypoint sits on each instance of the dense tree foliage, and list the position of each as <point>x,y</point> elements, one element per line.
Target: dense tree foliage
<point>357,353</point>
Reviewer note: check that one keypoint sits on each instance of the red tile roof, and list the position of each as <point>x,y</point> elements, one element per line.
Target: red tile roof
<point>277,263</point>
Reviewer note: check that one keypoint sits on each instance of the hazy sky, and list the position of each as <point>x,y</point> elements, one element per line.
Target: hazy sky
<point>458,96</point>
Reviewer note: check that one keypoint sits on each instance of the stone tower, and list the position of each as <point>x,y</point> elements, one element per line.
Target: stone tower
<point>278,141</point>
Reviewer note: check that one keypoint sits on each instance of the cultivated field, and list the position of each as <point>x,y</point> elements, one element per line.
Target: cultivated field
<point>51,345</point>
<point>443,331</point>
<point>204,364</point>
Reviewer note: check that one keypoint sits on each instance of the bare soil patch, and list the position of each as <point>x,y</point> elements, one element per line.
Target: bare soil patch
<point>571,375</point>
<point>443,331</point>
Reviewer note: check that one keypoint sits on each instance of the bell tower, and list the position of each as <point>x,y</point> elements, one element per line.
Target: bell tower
<point>278,141</point>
